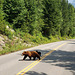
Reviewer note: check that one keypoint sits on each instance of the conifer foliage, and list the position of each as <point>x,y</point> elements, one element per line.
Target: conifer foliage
<point>2,22</point>
<point>48,17</point>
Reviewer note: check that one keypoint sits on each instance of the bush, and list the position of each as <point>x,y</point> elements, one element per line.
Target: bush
<point>2,28</point>
<point>9,34</point>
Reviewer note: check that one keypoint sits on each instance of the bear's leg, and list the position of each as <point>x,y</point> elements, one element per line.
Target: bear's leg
<point>34,58</point>
<point>30,58</point>
<point>24,57</point>
<point>39,57</point>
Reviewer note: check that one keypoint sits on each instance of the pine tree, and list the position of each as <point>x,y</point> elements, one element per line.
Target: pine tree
<point>65,15</point>
<point>34,20</point>
<point>52,17</point>
<point>71,19</point>
<point>2,22</point>
<point>12,8</point>
<point>37,17</point>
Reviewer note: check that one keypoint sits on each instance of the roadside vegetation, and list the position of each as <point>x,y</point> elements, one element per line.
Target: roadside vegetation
<point>27,23</point>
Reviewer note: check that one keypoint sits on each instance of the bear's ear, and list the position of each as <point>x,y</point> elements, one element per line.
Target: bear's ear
<point>24,51</point>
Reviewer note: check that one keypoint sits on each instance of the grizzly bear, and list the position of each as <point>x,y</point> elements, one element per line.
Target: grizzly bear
<point>30,54</point>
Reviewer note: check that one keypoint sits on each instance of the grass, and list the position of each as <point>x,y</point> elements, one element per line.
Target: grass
<point>16,45</point>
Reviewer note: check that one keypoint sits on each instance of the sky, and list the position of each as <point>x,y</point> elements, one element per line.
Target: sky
<point>72,2</point>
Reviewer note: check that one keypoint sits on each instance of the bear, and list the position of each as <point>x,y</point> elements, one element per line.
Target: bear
<point>38,52</point>
<point>30,54</point>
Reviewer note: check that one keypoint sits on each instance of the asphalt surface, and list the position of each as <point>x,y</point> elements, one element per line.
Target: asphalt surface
<point>59,62</point>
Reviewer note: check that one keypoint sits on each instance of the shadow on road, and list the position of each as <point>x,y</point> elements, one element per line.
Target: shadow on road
<point>71,43</point>
<point>35,73</point>
<point>42,53</point>
<point>59,58</point>
<point>62,58</point>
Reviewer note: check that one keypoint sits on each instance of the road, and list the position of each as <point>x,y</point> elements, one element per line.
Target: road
<point>58,58</point>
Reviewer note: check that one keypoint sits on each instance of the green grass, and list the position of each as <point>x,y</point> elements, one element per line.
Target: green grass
<point>13,46</point>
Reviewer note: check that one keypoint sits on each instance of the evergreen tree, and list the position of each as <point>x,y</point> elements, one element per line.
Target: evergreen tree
<point>2,22</point>
<point>74,24</point>
<point>37,16</point>
<point>71,19</point>
<point>52,17</point>
<point>34,21</point>
<point>12,8</point>
<point>65,15</point>
<point>29,16</point>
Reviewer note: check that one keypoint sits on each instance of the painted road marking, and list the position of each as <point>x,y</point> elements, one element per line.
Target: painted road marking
<point>22,72</point>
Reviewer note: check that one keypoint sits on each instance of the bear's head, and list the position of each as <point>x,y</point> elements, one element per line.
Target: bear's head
<point>25,53</point>
<point>28,53</point>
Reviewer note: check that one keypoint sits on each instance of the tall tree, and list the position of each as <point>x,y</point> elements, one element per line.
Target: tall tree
<point>12,8</point>
<point>65,15</point>
<point>37,16</point>
<point>71,19</point>
<point>2,22</point>
<point>52,17</point>
<point>34,19</point>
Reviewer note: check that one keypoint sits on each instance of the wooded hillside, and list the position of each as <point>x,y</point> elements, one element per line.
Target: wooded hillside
<point>48,17</point>
<point>25,23</point>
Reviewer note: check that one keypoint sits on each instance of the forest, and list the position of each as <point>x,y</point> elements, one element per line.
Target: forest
<point>37,19</point>
<point>48,17</point>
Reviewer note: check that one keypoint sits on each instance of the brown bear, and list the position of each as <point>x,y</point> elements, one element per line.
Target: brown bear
<point>30,54</point>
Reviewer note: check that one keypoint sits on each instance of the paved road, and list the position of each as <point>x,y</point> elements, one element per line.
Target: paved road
<point>60,62</point>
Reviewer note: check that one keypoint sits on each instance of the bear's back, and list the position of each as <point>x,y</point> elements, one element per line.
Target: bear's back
<point>34,54</point>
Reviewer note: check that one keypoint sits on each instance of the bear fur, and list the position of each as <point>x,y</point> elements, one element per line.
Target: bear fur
<point>30,54</point>
<point>38,52</point>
